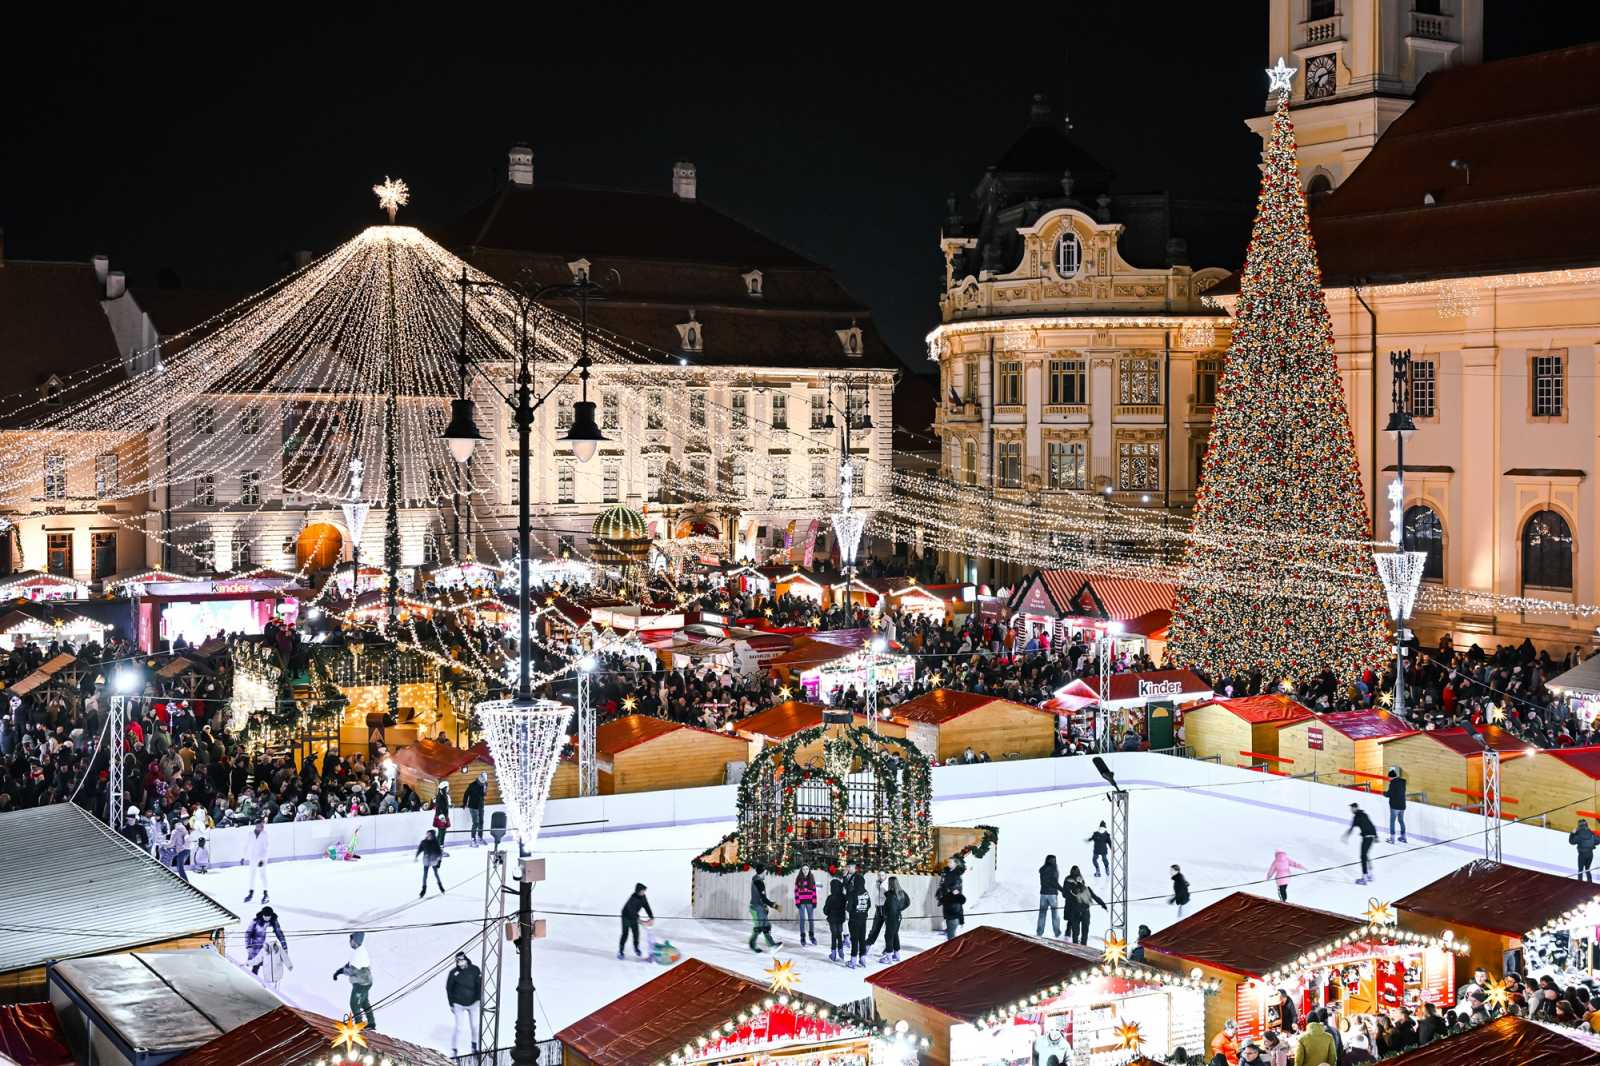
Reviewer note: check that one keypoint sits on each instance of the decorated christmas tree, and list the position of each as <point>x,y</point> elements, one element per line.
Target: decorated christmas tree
<point>1278,574</point>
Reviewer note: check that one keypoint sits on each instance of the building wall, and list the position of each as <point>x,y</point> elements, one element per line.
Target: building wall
<point>685,758</point>
<point>85,501</point>
<point>1545,785</point>
<point>1430,767</point>
<point>999,729</point>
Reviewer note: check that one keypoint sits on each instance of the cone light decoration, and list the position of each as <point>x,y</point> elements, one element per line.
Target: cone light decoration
<point>525,739</point>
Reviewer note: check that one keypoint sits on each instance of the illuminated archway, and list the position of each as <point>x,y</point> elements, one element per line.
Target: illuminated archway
<point>318,547</point>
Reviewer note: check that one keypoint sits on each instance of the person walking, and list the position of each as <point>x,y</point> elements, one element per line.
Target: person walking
<point>263,929</point>
<point>473,800</point>
<point>760,904</point>
<point>857,904</point>
<point>1180,889</point>
<point>359,970</point>
<point>834,912</point>
<point>431,853</point>
<point>1396,791</point>
<point>895,902</point>
<point>255,853</point>
<point>463,990</point>
<point>1583,838</point>
<point>1359,822</point>
<point>637,901</point>
<point>1050,897</point>
<point>1101,839</point>
<point>1080,898</point>
<point>441,812</point>
<point>805,904</point>
<point>1280,870</point>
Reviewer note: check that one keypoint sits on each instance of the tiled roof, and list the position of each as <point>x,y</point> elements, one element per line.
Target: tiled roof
<point>1504,899</point>
<point>1250,935</point>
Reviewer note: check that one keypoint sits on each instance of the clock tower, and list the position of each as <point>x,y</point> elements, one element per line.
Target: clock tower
<point>1359,62</point>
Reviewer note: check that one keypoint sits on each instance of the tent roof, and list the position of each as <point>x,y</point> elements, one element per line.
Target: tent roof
<point>1499,898</point>
<point>1260,710</point>
<point>1250,935</point>
<point>1508,1041</point>
<point>289,1036</point>
<point>1585,677</point>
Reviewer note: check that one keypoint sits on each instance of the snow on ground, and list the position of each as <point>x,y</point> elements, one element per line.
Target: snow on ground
<point>1222,832</point>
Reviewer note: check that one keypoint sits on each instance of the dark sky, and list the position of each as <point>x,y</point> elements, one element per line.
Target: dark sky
<point>177,141</point>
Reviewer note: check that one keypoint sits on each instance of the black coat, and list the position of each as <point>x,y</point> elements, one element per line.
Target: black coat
<point>1584,839</point>
<point>1396,791</point>
<point>1363,825</point>
<point>637,902</point>
<point>1049,880</point>
<point>1101,841</point>
<point>1429,1029</point>
<point>857,901</point>
<point>1180,889</point>
<point>834,907</point>
<point>473,797</point>
<point>464,985</point>
<point>428,847</point>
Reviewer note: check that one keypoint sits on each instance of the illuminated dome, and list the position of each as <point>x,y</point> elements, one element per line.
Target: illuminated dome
<point>619,535</point>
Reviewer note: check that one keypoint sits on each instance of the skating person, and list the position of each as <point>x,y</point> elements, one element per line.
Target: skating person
<point>1180,889</point>
<point>133,829</point>
<point>1050,897</point>
<point>760,904</point>
<point>255,853</point>
<point>805,904</point>
<point>274,964</point>
<point>473,800</point>
<point>178,842</point>
<point>637,902</point>
<point>895,902</point>
<point>431,854</point>
<point>950,898</point>
<point>1280,870</point>
<point>858,903</point>
<point>1584,839</point>
<point>1396,791</point>
<point>1369,834</point>
<point>359,970</point>
<point>263,928</point>
<point>878,891</point>
<point>1101,839</point>
<point>463,990</point>
<point>1080,898</point>
<point>834,912</point>
<point>441,812</point>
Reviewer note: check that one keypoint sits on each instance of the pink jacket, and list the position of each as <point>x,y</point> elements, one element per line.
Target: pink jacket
<point>1281,865</point>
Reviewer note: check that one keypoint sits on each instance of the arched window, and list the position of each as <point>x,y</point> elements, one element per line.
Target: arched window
<point>1424,533</point>
<point>1547,552</point>
<point>1317,189</point>
<point>1069,254</point>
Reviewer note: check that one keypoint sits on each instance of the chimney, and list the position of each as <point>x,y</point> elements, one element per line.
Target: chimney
<point>116,284</point>
<point>520,169</point>
<point>683,180</point>
<point>302,259</point>
<point>101,265</point>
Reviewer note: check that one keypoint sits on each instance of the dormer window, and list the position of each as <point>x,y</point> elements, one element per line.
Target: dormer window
<point>850,340</point>
<point>752,284</point>
<point>580,271</point>
<point>691,335</point>
<point>52,389</point>
<point>1069,255</point>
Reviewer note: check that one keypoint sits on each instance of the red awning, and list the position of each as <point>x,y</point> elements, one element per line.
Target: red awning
<point>30,1036</point>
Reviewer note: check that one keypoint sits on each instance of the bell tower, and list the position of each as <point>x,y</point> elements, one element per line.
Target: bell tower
<point>1358,62</point>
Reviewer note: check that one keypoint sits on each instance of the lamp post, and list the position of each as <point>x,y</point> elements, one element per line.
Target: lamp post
<point>1401,570</point>
<point>847,522</point>
<point>584,436</point>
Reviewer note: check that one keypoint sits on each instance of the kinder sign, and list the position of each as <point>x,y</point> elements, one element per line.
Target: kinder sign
<point>1180,686</point>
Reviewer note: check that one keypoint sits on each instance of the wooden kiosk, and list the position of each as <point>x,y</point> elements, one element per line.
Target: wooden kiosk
<point>1242,732</point>
<point>1342,748</point>
<point>643,753</point>
<point>944,723</point>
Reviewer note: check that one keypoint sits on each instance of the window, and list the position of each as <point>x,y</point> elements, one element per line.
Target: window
<point>58,547</point>
<point>819,478</point>
<point>611,483</point>
<point>1207,374</point>
<point>1317,189</point>
<point>971,394</point>
<point>610,411</point>
<point>739,477</point>
<point>1010,382</point>
<point>697,409</point>
<point>250,487</point>
<point>858,477</point>
<point>969,462</point>
<point>250,419</point>
<point>1068,381</point>
<point>1424,388</point>
<point>740,403</point>
<point>244,556</point>
<point>105,475</point>
<point>780,410</point>
<point>655,409</point>
<point>55,477</point>
<point>564,410</point>
<point>205,554</point>
<point>1547,552</point>
<point>430,547</point>
<point>205,491</point>
<point>856,405</point>
<point>780,479</point>
<point>1069,254</point>
<point>654,467</point>
<point>699,474</point>
<point>566,483</point>
<point>1068,464</point>
<point>819,410</point>
<point>1549,383</point>
<point>1138,465</point>
<point>1138,381</point>
<point>1317,10</point>
<point>102,555</point>
<point>205,420</point>
<point>1423,533</point>
<point>1010,471</point>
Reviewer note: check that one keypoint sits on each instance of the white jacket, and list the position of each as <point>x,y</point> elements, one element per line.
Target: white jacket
<point>256,847</point>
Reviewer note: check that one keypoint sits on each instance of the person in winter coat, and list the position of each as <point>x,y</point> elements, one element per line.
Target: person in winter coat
<point>1583,838</point>
<point>1431,1027</point>
<point>637,902</point>
<point>441,812</point>
<point>877,891</point>
<point>1080,901</point>
<point>893,909</point>
<point>255,853</point>
<point>1137,954</point>
<point>1396,791</point>
<point>431,854</point>
<point>760,904</point>
<point>256,938</point>
<point>179,843</point>
<point>359,969</point>
<point>133,830</point>
<point>1180,889</point>
<point>1316,1046</point>
<point>1050,897</point>
<point>1288,1016</point>
<point>858,902</point>
<point>1226,1043</point>
<point>1359,822</point>
<point>274,964</point>
<point>463,990</point>
<point>835,911</point>
<point>1275,1050</point>
<point>472,800</point>
<point>805,904</point>
<point>1101,839</point>
<point>1280,870</point>
<point>951,901</point>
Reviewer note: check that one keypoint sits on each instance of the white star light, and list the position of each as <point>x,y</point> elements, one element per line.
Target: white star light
<point>1279,77</point>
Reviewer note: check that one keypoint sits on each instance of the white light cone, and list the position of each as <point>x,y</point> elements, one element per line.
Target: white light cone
<point>525,740</point>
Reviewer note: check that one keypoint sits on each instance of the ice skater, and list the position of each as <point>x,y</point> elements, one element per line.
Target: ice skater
<point>263,931</point>
<point>472,799</point>
<point>857,903</point>
<point>1584,840</point>
<point>359,969</point>
<point>463,990</point>
<point>637,902</point>
<point>1080,900</point>
<point>178,845</point>
<point>895,902</point>
<point>431,852</point>
<point>1180,890</point>
<point>255,853</point>
<point>1050,897</point>
<point>805,904</point>
<point>760,904</point>
<point>1101,839</point>
<point>441,811</point>
<point>1396,791</point>
<point>1280,870</point>
<point>1369,834</point>
<point>833,911</point>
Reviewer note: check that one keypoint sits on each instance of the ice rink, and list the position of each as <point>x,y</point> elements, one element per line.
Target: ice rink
<point>1220,824</point>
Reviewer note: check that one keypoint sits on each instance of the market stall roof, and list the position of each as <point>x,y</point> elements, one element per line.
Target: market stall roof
<point>1260,710</point>
<point>1182,685</point>
<point>1075,695</point>
<point>140,577</point>
<point>1464,743</point>
<point>40,579</point>
<point>441,760</point>
<point>1080,594</point>
<point>62,864</point>
<point>809,651</point>
<point>1367,724</point>
<point>785,574</point>
<point>968,977</point>
<point>1508,1041</point>
<point>182,665</point>
<point>631,730</point>
<point>1584,760</point>
<point>1583,679</point>
<point>1499,898</point>
<point>782,719</point>
<point>30,1035</point>
<point>43,675</point>
<point>289,1036</point>
<point>47,614</point>
<point>941,705</point>
<point>1250,935</point>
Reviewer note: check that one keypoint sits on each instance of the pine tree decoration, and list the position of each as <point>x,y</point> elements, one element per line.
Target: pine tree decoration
<point>1280,479</point>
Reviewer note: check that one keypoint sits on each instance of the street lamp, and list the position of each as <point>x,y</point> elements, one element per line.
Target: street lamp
<point>1401,570</point>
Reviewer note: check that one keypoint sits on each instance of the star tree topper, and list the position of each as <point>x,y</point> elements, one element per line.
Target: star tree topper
<point>392,195</point>
<point>1279,77</point>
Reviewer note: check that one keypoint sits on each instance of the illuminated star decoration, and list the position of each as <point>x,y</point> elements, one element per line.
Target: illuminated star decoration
<point>935,679</point>
<point>1497,713</point>
<point>393,194</point>
<point>1379,913</point>
<point>347,1034</point>
<point>1279,77</point>
<point>1116,950</point>
<point>629,703</point>
<point>1387,699</point>
<point>1498,993</point>
<point>784,692</point>
<point>782,976</point>
<point>1128,1035</point>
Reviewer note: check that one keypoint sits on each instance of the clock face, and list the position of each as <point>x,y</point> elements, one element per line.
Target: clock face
<point>1320,79</point>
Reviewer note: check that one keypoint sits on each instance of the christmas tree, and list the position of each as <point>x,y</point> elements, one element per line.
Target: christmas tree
<point>1278,574</point>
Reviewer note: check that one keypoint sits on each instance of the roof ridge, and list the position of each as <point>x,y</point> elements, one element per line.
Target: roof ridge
<point>1508,198</point>
<point>1426,132</point>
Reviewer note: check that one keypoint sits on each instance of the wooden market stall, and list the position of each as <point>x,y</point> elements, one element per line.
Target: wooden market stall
<point>795,581</point>
<point>1505,911</point>
<point>1343,748</point>
<point>1507,1041</point>
<point>1254,946</point>
<point>46,673</point>
<point>1444,767</point>
<point>1067,605</point>
<point>642,753</point>
<point>1562,783</point>
<point>943,723</point>
<point>290,1036</point>
<point>1244,731</point>
<point>783,720</point>
<point>49,623</point>
<point>965,994</point>
<point>427,762</point>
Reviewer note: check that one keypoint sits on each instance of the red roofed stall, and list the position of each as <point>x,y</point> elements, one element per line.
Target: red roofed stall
<point>1565,782</point>
<point>1508,1041</point>
<point>1344,748</point>
<point>643,753</point>
<point>1244,731</point>
<point>290,1036</point>
<point>783,720</point>
<point>426,763</point>
<point>943,723</point>
<point>1074,604</point>
<point>1442,764</point>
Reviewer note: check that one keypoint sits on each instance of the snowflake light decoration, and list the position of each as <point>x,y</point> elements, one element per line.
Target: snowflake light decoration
<point>392,195</point>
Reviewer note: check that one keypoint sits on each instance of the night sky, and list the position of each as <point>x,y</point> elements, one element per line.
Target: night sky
<point>217,150</point>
